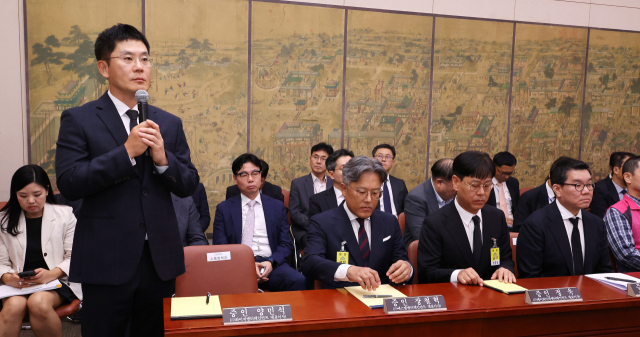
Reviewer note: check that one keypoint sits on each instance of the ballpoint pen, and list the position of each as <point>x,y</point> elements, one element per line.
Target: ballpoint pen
<point>376,296</point>
<point>208,296</point>
<point>620,279</point>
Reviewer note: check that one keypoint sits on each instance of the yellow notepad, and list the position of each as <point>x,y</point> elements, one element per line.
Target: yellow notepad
<point>195,307</point>
<point>507,288</point>
<point>374,303</point>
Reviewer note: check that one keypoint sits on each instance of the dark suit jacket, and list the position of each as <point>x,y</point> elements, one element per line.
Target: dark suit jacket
<point>513,185</point>
<point>75,205</point>
<point>544,249</point>
<point>322,202</point>
<point>202,204</point>
<point>420,202</point>
<point>227,225</point>
<point>444,246</point>
<point>301,191</point>
<point>604,196</point>
<point>399,191</point>
<point>121,203</point>
<point>328,229</point>
<point>531,201</point>
<point>269,189</point>
<point>191,233</point>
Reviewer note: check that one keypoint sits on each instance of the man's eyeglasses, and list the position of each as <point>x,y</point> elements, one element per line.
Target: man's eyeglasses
<point>316,158</point>
<point>145,60</point>
<point>580,187</point>
<point>474,187</point>
<point>506,174</point>
<point>362,194</point>
<point>387,157</point>
<point>245,175</point>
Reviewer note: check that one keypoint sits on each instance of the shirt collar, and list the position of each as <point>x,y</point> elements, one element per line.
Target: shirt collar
<point>495,181</point>
<point>438,197</point>
<point>618,188</point>
<point>550,192</point>
<point>634,199</point>
<point>121,107</point>
<point>316,180</point>
<point>337,191</point>
<point>566,214</point>
<point>464,215</point>
<point>245,200</point>
<point>350,214</point>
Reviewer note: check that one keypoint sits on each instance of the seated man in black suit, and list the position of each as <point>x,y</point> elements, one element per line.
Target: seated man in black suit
<point>611,189</point>
<point>188,218</point>
<point>259,222</point>
<point>562,239</point>
<point>202,205</point>
<point>332,197</point>
<point>456,241</point>
<point>371,239</point>
<point>266,187</point>
<point>505,168</point>
<point>394,189</point>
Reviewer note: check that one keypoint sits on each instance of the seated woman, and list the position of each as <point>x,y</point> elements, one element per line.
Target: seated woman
<point>35,234</point>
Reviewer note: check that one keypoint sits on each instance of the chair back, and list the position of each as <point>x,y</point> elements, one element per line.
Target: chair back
<point>234,276</point>
<point>286,198</point>
<point>2,203</point>
<point>401,222</point>
<point>513,238</point>
<point>522,190</point>
<point>413,258</point>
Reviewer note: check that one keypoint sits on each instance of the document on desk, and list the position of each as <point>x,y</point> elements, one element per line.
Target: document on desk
<point>507,288</point>
<point>375,303</point>
<point>195,307</point>
<point>8,291</point>
<point>614,279</point>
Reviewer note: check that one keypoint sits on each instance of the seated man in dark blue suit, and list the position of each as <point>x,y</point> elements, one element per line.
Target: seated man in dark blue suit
<point>191,233</point>
<point>259,222</point>
<point>332,197</point>
<point>266,187</point>
<point>611,189</point>
<point>370,238</point>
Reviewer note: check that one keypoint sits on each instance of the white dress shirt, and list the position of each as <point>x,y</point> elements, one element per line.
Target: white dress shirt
<point>551,196</point>
<point>319,186</point>
<point>619,189</point>
<point>390,191</point>
<point>260,244</point>
<point>339,195</point>
<point>441,202</point>
<point>467,221</point>
<point>566,215</point>
<point>507,195</point>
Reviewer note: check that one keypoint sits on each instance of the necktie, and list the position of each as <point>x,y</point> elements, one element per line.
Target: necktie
<point>477,242</point>
<point>576,248</point>
<point>133,118</point>
<point>363,242</point>
<point>249,225</point>
<point>386,198</point>
<point>622,193</point>
<point>503,200</point>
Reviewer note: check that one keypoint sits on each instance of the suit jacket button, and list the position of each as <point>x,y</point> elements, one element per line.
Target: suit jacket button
<point>142,224</point>
<point>144,193</point>
<point>45,254</point>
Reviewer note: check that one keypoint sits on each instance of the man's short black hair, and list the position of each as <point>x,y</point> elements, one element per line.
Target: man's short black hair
<point>559,173</point>
<point>265,169</point>
<point>333,158</point>
<point>474,164</point>
<point>245,158</point>
<point>442,169</point>
<point>505,158</point>
<point>322,147</point>
<point>631,165</point>
<point>556,162</point>
<point>107,40</point>
<point>384,146</point>
<point>617,158</point>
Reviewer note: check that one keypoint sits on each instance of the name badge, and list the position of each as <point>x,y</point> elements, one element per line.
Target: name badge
<point>342,256</point>
<point>495,254</point>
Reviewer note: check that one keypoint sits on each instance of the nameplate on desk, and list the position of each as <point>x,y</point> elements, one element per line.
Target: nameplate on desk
<point>257,314</point>
<point>553,295</point>
<point>414,304</point>
<point>633,289</point>
<point>218,256</point>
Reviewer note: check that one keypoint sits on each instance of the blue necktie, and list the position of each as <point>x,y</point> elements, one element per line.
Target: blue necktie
<point>386,198</point>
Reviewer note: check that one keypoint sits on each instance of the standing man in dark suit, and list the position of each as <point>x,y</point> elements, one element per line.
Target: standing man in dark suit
<point>188,218</point>
<point>370,239</point>
<point>332,197</point>
<point>456,242</point>
<point>427,198</point>
<point>304,187</point>
<point>395,190</point>
<point>266,187</point>
<point>260,222</point>
<point>505,199</point>
<point>127,247</point>
<point>611,189</point>
<point>202,205</point>
<point>562,239</point>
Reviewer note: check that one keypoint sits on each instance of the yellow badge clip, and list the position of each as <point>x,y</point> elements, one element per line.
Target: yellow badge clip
<point>495,254</point>
<point>342,256</point>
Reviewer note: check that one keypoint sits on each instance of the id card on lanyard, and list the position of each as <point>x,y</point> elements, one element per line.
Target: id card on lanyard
<point>495,254</point>
<point>342,256</point>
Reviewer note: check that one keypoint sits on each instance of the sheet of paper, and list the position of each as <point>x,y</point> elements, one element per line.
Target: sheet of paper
<point>195,307</point>
<point>618,284</point>
<point>374,303</point>
<point>8,291</point>
<point>504,287</point>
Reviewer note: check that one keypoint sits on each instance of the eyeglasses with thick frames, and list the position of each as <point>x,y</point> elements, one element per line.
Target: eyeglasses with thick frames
<point>387,157</point>
<point>363,194</point>
<point>474,187</point>
<point>245,175</point>
<point>506,174</point>
<point>144,60</point>
<point>318,158</point>
<point>580,187</point>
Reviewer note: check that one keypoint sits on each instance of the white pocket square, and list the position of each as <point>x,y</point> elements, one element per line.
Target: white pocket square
<point>387,238</point>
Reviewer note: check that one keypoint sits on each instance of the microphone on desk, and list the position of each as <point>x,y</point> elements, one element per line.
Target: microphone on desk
<point>142,96</point>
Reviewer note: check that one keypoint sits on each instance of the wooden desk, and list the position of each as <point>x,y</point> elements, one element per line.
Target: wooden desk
<point>472,311</point>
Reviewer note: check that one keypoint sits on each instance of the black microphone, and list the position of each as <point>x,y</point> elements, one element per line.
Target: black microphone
<point>142,96</point>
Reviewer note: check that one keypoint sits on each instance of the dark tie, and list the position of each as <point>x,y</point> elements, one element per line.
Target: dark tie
<point>133,118</point>
<point>576,248</point>
<point>477,242</point>
<point>363,241</point>
<point>623,192</point>
<point>386,198</point>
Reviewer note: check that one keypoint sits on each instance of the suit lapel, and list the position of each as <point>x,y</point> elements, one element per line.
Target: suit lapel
<point>487,234</point>
<point>48,224</point>
<point>343,227</point>
<point>559,231</point>
<point>430,193</point>
<point>613,193</point>
<point>22,236</point>
<point>589,243</point>
<point>543,197</point>
<point>108,113</point>
<point>492,198</point>
<point>377,233</point>
<point>236,217</point>
<point>149,167</point>
<point>456,230</point>
<point>309,186</point>
<point>332,201</point>
<point>267,210</point>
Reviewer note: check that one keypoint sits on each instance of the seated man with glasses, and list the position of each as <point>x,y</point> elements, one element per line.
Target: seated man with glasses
<point>260,222</point>
<point>355,244</point>
<point>456,241</point>
<point>395,189</point>
<point>562,239</point>
<point>506,189</point>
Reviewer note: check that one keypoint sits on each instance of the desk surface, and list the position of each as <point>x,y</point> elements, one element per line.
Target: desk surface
<point>472,310</point>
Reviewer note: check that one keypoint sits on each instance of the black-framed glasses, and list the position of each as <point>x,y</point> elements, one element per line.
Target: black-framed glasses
<point>322,159</point>
<point>244,175</point>
<point>506,174</point>
<point>362,194</point>
<point>580,187</point>
<point>474,187</point>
